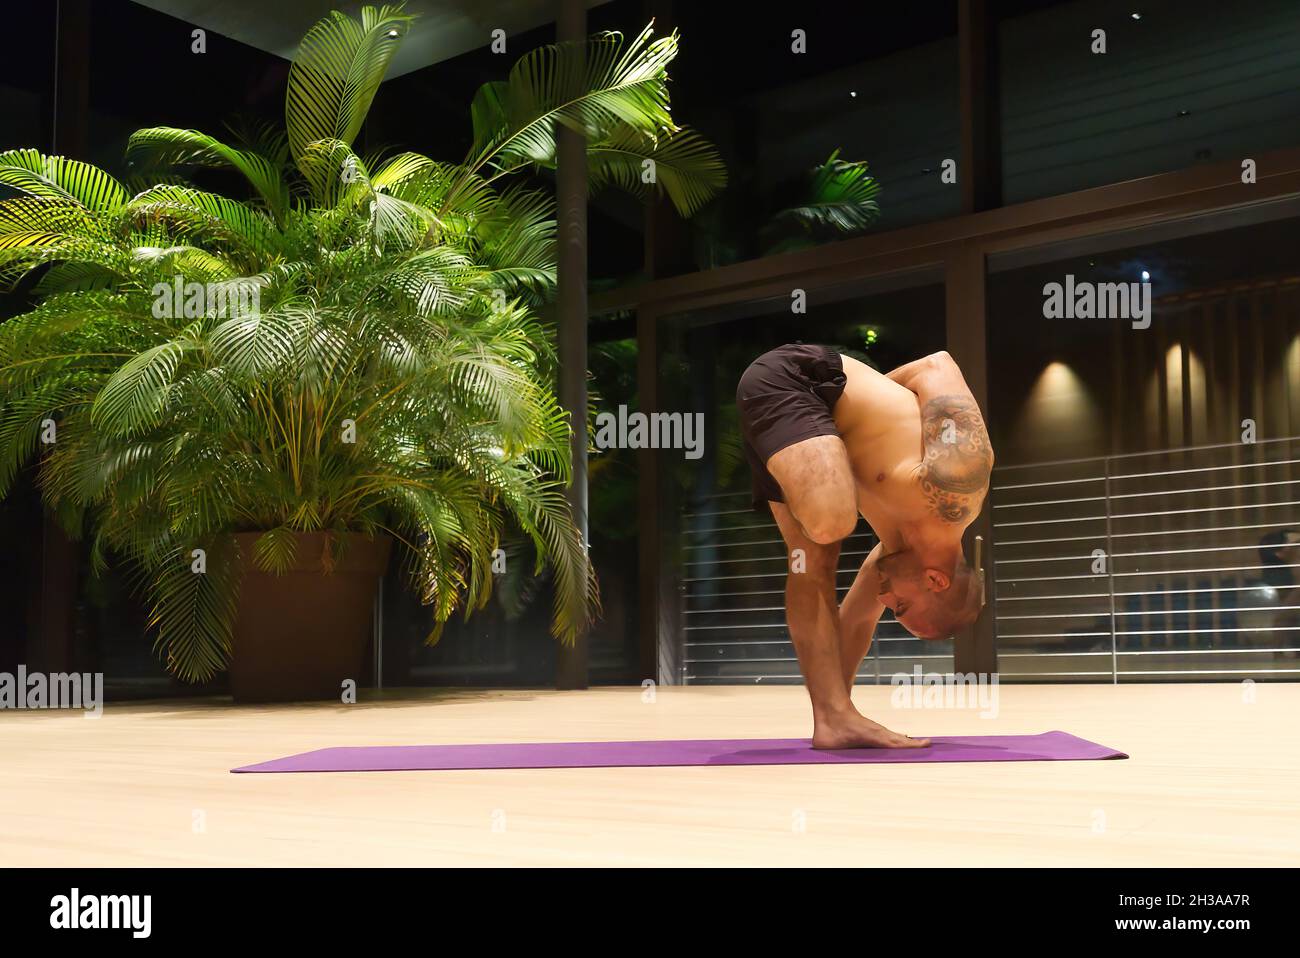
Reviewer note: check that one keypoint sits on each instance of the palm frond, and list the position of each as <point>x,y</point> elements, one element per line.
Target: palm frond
<point>58,178</point>
<point>594,87</point>
<point>193,612</point>
<point>682,165</point>
<point>171,147</point>
<point>841,197</point>
<point>337,72</point>
<point>209,216</point>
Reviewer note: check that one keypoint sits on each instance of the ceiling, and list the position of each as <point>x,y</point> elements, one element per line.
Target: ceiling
<point>443,28</point>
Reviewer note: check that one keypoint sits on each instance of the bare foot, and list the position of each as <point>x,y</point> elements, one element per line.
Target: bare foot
<point>858,731</point>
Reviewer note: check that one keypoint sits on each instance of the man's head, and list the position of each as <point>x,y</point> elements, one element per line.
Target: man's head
<point>934,599</point>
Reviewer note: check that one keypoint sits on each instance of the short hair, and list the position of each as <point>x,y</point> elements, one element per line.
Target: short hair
<point>958,605</point>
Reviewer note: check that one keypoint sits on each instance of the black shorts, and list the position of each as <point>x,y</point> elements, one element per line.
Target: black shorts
<point>784,397</point>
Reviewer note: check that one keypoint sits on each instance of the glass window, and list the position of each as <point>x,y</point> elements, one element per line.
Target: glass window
<point>779,105</point>
<point>27,59</point>
<point>1146,495</point>
<point>27,75</point>
<point>1180,82</point>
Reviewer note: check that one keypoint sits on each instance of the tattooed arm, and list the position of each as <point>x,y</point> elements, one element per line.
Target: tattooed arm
<point>956,454</point>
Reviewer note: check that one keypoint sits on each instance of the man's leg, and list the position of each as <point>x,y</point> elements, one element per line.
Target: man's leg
<point>820,491</point>
<point>813,617</point>
<point>818,486</point>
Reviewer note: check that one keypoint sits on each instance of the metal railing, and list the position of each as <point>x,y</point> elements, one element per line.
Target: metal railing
<point>1164,565</point>
<point>733,570</point>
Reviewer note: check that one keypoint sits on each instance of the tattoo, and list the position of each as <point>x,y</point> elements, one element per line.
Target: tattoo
<point>958,457</point>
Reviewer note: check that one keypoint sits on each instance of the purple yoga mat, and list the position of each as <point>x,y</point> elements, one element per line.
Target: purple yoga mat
<point>1046,747</point>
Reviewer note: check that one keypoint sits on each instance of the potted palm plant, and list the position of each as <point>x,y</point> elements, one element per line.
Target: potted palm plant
<point>251,399</point>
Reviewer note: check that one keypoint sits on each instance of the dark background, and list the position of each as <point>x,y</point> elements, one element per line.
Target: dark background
<point>1187,83</point>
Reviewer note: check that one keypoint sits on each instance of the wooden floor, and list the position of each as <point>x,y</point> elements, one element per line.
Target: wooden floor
<point>1213,780</point>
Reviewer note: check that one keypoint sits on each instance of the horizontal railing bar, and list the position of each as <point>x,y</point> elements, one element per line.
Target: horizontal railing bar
<point>1054,598</point>
<point>1048,522</point>
<point>766,526</point>
<point>723,595</point>
<point>792,660</point>
<point>1229,568</point>
<point>1049,482</point>
<point>1247,630</point>
<point>761,608</point>
<point>1183,512</point>
<point>1230,608</point>
<point>1143,495</point>
<point>719,512</point>
<point>1184,532</point>
<point>759,679</point>
<point>1050,675</point>
<point>1150,515</point>
<point>1211,611</point>
<point>1242,651</point>
<point>1242,568</point>
<point>1179,492</point>
<point>1150,452</point>
<point>766,542</point>
<point>749,644</point>
<point>1050,655</point>
<point>1254,547</point>
<point>777,558</point>
<point>773,608</point>
<point>1039,542</point>
<point>1182,472</point>
<point>1102,595</point>
<point>1149,475</point>
<point>1255,671</point>
<point>1225,588</point>
<point>733,578</point>
<point>1129,535</point>
<point>754,625</point>
<point>732,545</point>
<point>1108,652</point>
<point>753,575</point>
<point>1056,615</point>
<point>1244,629</point>
<point>1047,502</point>
<point>756,575</point>
<point>1048,578</point>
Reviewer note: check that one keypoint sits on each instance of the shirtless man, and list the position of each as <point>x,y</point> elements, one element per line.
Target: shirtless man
<point>828,437</point>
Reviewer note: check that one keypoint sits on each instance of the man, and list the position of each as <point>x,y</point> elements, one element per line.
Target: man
<point>828,437</point>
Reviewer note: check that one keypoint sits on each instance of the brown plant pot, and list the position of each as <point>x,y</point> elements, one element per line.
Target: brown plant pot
<point>300,635</point>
